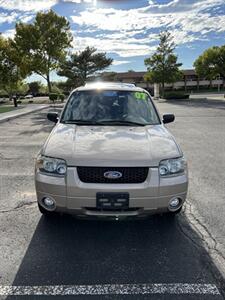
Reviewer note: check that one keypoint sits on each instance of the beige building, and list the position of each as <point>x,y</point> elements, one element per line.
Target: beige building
<point>190,82</point>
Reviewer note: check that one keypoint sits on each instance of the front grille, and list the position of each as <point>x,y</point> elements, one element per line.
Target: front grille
<point>96,174</point>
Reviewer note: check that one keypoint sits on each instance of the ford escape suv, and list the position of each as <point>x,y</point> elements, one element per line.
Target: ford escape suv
<point>110,155</point>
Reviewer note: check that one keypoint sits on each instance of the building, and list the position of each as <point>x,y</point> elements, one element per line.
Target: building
<point>190,83</point>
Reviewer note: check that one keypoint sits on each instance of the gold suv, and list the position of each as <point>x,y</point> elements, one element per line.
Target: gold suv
<point>110,155</point>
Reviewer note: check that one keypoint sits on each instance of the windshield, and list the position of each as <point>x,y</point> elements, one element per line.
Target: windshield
<point>110,107</point>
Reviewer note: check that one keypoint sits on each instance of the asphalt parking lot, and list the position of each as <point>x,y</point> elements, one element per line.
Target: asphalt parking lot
<point>152,259</point>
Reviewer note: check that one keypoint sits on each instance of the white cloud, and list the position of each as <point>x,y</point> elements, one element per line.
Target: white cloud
<point>120,62</point>
<point>113,19</point>
<point>176,6</point>
<point>123,48</point>
<point>142,19</point>
<point>9,33</point>
<point>81,1</point>
<point>27,5</point>
<point>26,18</point>
<point>8,18</point>
<point>188,20</point>
<point>132,32</point>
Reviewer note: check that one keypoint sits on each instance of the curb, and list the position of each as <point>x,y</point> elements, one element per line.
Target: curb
<point>21,114</point>
<point>194,101</point>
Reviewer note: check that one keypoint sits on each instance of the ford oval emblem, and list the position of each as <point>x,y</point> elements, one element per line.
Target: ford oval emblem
<point>113,175</point>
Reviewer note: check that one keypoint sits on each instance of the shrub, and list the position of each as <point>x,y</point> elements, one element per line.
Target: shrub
<point>62,97</point>
<point>30,101</point>
<point>175,95</point>
<point>53,96</point>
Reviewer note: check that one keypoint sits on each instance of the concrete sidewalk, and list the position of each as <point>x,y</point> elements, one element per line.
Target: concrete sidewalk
<point>22,111</point>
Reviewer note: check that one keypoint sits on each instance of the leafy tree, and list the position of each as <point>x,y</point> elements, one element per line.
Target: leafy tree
<point>43,44</point>
<point>11,75</point>
<point>82,65</point>
<point>34,87</point>
<point>44,89</point>
<point>55,88</point>
<point>162,66</point>
<point>211,63</point>
<point>221,61</point>
<point>22,88</point>
<point>63,86</point>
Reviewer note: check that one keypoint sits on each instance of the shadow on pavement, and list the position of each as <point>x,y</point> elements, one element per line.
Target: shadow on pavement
<point>66,251</point>
<point>40,119</point>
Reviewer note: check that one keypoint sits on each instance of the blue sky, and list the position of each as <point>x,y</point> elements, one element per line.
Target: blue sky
<point>128,30</point>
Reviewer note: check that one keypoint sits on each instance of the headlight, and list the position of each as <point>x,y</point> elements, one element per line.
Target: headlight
<point>51,165</point>
<point>172,166</point>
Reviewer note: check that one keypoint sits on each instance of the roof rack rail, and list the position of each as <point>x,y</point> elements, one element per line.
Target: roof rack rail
<point>129,84</point>
<point>111,83</point>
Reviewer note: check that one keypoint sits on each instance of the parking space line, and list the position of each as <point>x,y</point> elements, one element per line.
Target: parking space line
<point>109,289</point>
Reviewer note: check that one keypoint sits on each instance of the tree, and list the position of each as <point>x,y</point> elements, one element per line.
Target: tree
<point>211,63</point>
<point>82,65</point>
<point>22,88</point>
<point>56,89</point>
<point>34,87</point>
<point>11,75</point>
<point>162,66</point>
<point>64,86</point>
<point>43,44</point>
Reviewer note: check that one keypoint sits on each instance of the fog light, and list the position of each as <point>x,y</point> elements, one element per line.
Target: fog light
<point>174,203</point>
<point>49,203</point>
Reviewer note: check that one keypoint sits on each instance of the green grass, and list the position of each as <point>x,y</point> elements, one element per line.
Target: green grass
<point>4,109</point>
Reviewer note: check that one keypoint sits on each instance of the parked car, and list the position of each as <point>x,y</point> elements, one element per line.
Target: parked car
<point>110,155</point>
<point>29,96</point>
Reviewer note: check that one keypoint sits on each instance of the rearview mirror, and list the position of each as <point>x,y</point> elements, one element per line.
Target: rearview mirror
<point>53,117</point>
<point>168,118</point>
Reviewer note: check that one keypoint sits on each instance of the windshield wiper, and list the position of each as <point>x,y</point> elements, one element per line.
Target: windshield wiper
<point>121,122</point>
<point>103,122</point>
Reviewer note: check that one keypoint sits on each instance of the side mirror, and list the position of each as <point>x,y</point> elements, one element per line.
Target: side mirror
<point>53,117</point>
<point>168,118</point>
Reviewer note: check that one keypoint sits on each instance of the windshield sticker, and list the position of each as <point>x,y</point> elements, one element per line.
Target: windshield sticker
<point>140,95</point>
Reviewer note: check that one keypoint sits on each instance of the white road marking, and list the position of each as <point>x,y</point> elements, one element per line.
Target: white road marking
<point>110,289</point>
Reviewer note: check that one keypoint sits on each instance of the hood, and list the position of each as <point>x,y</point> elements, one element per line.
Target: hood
<point>111,145</point>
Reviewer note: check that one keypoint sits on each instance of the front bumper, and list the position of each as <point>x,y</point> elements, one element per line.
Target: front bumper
<point>76,197</point>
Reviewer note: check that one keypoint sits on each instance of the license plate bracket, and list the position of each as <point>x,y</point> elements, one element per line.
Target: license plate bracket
<point>112,201</point>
